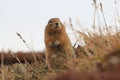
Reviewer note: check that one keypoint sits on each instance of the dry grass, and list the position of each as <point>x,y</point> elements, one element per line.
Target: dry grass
<point>100,53</point>
<point>97,59</point>
<point>100,56</point>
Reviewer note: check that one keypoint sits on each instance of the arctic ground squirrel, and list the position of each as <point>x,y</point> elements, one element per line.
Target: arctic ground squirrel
<point>57,43</point>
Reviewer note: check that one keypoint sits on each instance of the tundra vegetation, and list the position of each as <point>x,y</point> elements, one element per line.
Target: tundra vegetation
<point>98,58</point>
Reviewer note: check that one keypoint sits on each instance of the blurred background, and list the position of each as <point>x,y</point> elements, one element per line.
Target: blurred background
<point>29,18</point>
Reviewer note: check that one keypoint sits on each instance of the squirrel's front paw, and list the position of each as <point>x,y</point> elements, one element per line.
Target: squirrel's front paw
<point>56,43</point>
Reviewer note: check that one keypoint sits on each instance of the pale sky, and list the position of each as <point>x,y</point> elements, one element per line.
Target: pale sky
<point>29,18</point>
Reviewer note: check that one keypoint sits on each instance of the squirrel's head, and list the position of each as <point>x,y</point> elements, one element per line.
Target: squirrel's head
<point>55,24</point>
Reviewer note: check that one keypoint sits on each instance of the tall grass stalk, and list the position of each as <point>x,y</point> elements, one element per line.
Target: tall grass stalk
<point>100,30</point>
<point>117,13</point>
<point>74,32</point>
<point>116,17</point>
<point>108,32</point>
<point>94,17</point>
<point>101,7</point>
<point>19,35</point>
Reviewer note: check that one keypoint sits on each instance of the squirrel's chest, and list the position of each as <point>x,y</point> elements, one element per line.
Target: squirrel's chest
<point>54,35</point>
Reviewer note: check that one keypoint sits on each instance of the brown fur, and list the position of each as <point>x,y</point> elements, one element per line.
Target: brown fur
<point>56,40</point>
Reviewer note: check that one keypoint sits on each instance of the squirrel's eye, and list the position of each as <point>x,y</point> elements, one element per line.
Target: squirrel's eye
<point>50,22</point>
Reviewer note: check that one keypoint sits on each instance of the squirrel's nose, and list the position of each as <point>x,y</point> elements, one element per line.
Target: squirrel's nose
<point>56,24</point>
